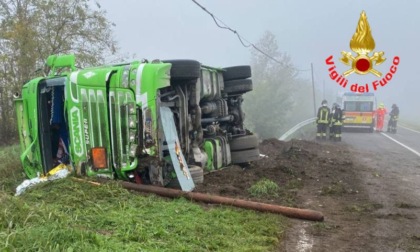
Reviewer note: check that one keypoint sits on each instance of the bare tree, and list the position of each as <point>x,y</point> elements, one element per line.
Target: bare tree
<point>269,106</point>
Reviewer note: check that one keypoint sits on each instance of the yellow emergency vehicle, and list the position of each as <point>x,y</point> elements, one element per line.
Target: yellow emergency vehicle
<point>358,110</point>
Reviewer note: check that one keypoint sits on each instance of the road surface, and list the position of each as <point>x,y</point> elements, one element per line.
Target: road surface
<point>382,213</point>
<point>393,182</point>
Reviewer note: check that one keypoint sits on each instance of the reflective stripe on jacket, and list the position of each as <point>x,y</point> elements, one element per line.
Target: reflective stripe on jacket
<point>323,114</point>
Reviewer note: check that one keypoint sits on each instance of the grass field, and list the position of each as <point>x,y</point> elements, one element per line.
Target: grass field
<point>68,215</point>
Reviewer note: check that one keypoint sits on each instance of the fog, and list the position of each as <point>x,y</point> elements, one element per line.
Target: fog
<point>307,31</point>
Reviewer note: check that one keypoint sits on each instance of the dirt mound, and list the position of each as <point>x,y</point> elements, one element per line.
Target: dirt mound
<point>291,165</point>
<point>335,179</point>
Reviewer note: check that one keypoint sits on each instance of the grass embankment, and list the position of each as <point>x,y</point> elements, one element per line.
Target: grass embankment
<point>67,215</point>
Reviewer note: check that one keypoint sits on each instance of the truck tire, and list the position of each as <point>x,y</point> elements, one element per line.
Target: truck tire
<point>184,69</point>
<point>236,73</point>
<point>238,86</point>
<point>244,143</point>
<point>372,127</point>
<point>245,156</point>
<point>197,175</point>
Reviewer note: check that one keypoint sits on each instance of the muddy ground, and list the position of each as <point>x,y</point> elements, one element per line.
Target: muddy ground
<point>322,176</point>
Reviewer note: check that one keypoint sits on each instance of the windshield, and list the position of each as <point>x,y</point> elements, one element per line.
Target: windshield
<point>52,126</point>
<point>358,106</point>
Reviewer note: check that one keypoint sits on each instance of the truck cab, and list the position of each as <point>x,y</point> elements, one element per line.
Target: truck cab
<point>145,122</point>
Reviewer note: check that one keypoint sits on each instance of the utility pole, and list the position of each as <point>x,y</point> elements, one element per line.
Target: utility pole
<point>313,88</point>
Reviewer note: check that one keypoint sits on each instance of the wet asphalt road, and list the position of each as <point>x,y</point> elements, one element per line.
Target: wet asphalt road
<point>392,180</point>
<point>378,142</point>
<point>398,155</point>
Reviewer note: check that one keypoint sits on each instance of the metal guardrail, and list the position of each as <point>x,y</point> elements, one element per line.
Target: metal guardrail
<point>296,127</point>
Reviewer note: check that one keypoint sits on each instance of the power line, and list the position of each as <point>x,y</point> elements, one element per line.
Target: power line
<point>217,21</point>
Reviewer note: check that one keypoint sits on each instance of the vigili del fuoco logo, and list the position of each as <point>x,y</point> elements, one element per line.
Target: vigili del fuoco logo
<point>362,43</point>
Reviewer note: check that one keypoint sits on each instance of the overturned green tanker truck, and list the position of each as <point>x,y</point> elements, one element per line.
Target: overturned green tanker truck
<point>158,122</point>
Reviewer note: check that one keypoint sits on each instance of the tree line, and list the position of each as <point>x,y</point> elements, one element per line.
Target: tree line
<point>31,30</point>
<point>280,98</point>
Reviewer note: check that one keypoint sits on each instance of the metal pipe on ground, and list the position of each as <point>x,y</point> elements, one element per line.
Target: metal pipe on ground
<point>207,198</point>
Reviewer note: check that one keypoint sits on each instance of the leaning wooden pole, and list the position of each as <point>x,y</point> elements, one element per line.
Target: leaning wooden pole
<point>207,198</point>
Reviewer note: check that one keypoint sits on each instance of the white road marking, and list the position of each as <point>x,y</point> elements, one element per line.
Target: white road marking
<point>403,145</point>
<point>409,129</point>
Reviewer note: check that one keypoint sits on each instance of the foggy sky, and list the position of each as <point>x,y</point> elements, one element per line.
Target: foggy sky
<point>308,31</point>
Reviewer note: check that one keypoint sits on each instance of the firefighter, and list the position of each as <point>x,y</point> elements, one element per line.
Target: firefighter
<point>322,121</point>
<point>336,122</point>
<point>393,118</point>
<point>331,123</point>
<point>380,116</point>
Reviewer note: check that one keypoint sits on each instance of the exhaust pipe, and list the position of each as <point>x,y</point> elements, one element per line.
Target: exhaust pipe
<point>16,95</point>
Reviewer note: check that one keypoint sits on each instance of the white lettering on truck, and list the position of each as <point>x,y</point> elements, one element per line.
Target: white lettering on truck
<point>77,141</point>
<point>86,130</point>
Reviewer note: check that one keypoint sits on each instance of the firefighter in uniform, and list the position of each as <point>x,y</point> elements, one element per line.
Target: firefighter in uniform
<point>336,121</point>
<point>322,120</point>
<point>392,123</point>
<point>330,122</point>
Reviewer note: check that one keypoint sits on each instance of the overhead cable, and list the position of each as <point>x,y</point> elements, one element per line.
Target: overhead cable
<point>222,25</point>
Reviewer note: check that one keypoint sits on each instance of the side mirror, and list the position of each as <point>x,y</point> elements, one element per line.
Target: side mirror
<point>61,61</point>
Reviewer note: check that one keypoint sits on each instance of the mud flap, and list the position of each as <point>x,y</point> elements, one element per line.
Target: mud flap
<point>178,160</point>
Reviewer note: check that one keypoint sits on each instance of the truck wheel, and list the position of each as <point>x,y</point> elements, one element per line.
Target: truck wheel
<point>372,127</point>
<point>236,73</point>
<point>184,69</point>
<point>197,175</point>
<point>244,143</point>
<point>244,156</point>
<point>238,86</point>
